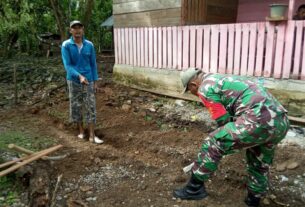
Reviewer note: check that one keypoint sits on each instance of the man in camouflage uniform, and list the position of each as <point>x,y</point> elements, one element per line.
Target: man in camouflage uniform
<point>248,118</point>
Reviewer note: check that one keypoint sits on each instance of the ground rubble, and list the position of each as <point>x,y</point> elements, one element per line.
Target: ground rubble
<point>148,140</point>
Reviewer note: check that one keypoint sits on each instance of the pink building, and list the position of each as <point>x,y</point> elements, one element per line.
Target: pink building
<point>155,39</point>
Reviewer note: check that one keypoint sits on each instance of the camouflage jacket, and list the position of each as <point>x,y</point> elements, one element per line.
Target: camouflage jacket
<point>228,96</point>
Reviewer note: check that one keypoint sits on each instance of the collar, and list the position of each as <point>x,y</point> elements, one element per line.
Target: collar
<point>72,40</point>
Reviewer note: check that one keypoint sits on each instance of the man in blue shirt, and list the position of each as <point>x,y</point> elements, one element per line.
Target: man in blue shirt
<point>79,60</point>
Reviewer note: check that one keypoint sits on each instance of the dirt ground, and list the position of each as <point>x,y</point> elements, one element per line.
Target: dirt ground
<point>144,151</point>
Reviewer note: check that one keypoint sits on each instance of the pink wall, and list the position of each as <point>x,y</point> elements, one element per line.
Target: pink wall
<point>258,10</point>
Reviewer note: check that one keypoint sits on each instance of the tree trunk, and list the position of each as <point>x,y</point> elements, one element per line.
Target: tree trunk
<point>88,13</point>
<point>60,19</point>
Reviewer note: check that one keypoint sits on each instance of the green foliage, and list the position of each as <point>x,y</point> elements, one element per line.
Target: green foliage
<point>8,188</point>
<point>22,21</point>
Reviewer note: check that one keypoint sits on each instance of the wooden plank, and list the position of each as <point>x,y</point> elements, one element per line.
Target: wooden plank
<point>175,46</point>
<point>130,46</point>
<point>119,43</point>
<point>139,47</point>
<point>150,48</point>
<point>115,31</point>
<point>164,44</point>
<point>142,46</point>
<point>123,46</point>
<point>199,46</point>
<point>206,48</point>
<point>279,52</point>
<point>261,27</point>
<point>214,48</point>
<point>160,48</point>
<point>146,47</point>
<point>231,43</point>
<point>302,72</point>
<point>184,11</point>
<point>186,47</point>
<point>252,48</point>
<point>169,47</point>
<point>270,48</point>
<point>237,49</point>
<point>127,48</point>
<point>164,17</point>
<point>289,41</point>
<point>192,46</point>
<point>180,49</point>
<point>155,47</point>
<point>298,50</point>
<point>145,5</point>
<point>134,40</point>
<point>223,48</point>
<point>245,49</point>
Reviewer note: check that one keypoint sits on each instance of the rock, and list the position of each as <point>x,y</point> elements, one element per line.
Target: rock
<point>291,133</point>
<point>134,93</point>
<point>128,102</point>
<point>292,165</point>
<point>97,161</point>
<point>152,110</point>
<point>136,152</point>
<point>85,188</point>
<point>281,167</point>
<point>266,201</point>
<point>179,102</point>
<point>126,107</point>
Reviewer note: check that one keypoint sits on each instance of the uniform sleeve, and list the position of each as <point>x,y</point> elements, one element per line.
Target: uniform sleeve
<point>93,64</point>
<point>212,102</point>
<point>67,62</point>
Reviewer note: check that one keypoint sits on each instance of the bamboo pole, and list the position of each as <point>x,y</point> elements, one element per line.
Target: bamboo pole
<point>15,85</point>
<point>29,152</point>
<point>29,159</point>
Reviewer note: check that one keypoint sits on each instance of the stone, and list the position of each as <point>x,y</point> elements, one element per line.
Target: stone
<point>281,167</point>
<point>126,107</point>
<point>292,165</point>
<point>266,201</point>
<point>85,188</point>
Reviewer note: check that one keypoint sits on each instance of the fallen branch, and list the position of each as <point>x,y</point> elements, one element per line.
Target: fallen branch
<point>79,203</point>
<point>29,152</point>
<point>53,202</point>
<point>29,159</point>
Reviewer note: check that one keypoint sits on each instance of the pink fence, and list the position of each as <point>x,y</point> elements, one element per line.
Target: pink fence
<point>252,49</point>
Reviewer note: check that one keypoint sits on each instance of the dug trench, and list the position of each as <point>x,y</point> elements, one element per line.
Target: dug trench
<point>140,163</point>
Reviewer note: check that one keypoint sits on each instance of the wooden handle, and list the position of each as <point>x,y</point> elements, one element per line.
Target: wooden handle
<point>29,159</point>
<point>20,149</point>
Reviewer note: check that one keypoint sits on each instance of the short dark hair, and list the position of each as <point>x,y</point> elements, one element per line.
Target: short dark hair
<point>301,7</point>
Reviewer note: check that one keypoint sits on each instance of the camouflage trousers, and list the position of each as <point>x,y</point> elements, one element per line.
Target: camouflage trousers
<point>259,140</point>
<point>82,102</point>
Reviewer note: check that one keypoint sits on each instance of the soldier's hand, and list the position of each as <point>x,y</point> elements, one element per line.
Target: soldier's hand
<point>83,80</point>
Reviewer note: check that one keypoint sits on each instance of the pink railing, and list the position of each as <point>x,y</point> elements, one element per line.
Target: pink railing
<point>252,49</point>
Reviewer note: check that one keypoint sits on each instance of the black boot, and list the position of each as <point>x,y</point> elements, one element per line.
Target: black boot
<point>194,190</point>
<point>252,201</point>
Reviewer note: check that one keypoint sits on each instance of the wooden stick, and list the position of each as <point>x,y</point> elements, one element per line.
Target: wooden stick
<point>15,85</point>
<point>20,149</point>
<point>29,152</point>
<point>33,157</point>
<point>297,119</point>
<point>53,201</point>
<point>14,161</point>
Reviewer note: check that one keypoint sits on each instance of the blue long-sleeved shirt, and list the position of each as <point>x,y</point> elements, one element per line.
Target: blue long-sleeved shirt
<point>79,63</point>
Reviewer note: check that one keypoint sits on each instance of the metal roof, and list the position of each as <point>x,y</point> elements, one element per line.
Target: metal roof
<point>108,22</point>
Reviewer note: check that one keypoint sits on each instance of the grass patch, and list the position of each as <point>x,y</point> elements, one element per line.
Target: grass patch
<point>9,190</point>
<point>22,139</point>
